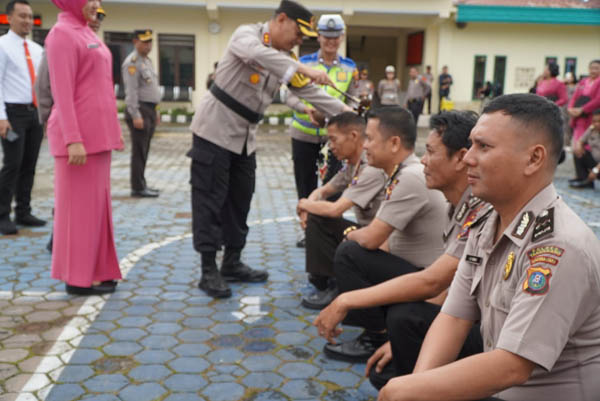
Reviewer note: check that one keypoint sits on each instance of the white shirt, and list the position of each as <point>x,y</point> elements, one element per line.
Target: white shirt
<point>15,81</point>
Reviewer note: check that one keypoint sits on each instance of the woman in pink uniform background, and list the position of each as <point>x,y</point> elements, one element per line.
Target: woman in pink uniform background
<point>82,132</point>
<point>585,100</point>
<point>550,87</point>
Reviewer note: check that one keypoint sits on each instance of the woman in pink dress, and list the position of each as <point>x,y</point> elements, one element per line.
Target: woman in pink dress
<point>82,132</point>
<point>550,87</point>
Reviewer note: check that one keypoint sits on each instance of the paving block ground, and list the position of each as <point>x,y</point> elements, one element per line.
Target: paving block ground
<point>159,337</point>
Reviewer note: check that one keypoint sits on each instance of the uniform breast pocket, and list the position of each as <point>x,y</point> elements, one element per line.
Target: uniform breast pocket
<point>501,297</point>
<point>146,75</point>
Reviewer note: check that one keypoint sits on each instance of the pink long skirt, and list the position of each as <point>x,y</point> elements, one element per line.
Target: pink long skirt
<point>84,245</point>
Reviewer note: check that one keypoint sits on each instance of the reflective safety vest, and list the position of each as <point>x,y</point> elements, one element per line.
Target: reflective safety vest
<point>341,73</point>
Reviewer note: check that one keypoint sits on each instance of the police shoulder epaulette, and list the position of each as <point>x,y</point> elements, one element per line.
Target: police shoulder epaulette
<point>309,58</point>
<point>544,225</point>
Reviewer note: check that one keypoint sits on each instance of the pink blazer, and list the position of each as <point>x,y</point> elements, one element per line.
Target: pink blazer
<point>553,87</point>
<point>593,92</point>
<point>80,65</point>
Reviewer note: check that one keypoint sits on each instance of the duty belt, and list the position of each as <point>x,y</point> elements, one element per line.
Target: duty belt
<point>243,111</point>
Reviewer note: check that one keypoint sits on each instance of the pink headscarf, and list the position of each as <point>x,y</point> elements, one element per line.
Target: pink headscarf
<point>72,7</point>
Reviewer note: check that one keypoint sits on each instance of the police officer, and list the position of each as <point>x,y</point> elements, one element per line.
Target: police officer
<point>308,138</point>
<point>365,86</point>
<point>388,89</point>
<point>530,274</point>
<point>361,189</point>
<point>255,64</point>
<point>142,96</point>
<point>417,91</point>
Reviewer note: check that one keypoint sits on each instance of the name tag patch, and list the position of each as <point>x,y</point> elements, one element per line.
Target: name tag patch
<point>93,45</point>
<point>476,260</point>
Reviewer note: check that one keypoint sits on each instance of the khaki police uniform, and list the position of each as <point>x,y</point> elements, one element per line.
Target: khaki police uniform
<point>407,323</point>
<point>389,92</point>
<point>248,77</point>
<point>142,95</point>
<point>536,294</point>
<point>364,186</point>
<point>365,89</point>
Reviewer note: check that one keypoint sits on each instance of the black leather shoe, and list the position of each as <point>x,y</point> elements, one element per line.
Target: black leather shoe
<point>320,299</point>
<point>30,220</point>
<point>144,193</point>
<point>378,380</point>
<point>358,350</point>
<point>301,243</point>
<point>572,180</point>
<point>582,184</point>
<point>101,289</point>
<point>7,227</point>
<point>156,191</point>
<point>242,272</point>
<point>213,284</point>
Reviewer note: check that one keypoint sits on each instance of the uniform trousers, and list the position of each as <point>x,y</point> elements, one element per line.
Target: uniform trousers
<point>20,159</point>
<point>323,235</point>
<point>584,164</point>
<point>140,144</point>
<point>306,156</point>
<point>84,245</point>
<point>222,187</point>
<point>407,325</point>
<point>356,268</point>
<point>415,106</point>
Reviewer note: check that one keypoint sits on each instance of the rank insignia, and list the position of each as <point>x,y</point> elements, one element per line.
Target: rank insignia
<point>254,78</point>
<point>474,201</point>
<point>461,211</point>
<point>523,226</point>
<point>544,225</point>
<point>537,281</point>
<point>341,76</point>
<point>131,69</point>
<point>266,38</point>
<point>508,266</point>
<point>476,260</point>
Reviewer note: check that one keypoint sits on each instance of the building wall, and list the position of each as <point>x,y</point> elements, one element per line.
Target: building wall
<point>523,45</point>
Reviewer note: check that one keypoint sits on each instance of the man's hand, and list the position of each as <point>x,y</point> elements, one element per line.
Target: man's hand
<point>77,154</point>
<point>122,144</point>
<point>316,117</point>
<point>329,318</point>
<point>4,127</point>
<point>316,76</point>
<point>575,112</point>
<point>138,123</point>
<point>380,358</point>
<point>303,219</point>
<point>592,176</point>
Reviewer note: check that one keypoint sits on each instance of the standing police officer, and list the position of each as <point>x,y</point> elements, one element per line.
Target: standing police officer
<point>142,96</point>
<point>255,64</point>
<point>308,138</point>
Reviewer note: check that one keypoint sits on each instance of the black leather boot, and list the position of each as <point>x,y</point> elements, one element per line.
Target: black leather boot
<point>233,269</point>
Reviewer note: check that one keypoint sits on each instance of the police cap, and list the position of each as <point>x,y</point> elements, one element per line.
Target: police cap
<point>304,18</point>
<point>331,25</point>
<point>143,35</point>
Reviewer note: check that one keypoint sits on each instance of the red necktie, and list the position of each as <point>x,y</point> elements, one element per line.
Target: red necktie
<point>31,72</point>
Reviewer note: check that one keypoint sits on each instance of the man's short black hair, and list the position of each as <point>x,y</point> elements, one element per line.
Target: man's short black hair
<point>554,69</point>
<point>10,7</point>
<point>534,112</point>
<point>348,119</point>
<point>396,121</point>
<point>454,128</point>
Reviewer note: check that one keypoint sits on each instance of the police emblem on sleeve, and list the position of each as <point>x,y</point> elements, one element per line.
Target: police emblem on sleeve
<point>537,281</point>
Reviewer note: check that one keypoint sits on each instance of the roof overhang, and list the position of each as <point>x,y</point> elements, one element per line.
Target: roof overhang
<point>527,15</point>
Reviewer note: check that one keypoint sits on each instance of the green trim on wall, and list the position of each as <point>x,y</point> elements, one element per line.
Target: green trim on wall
<point>531,15</point>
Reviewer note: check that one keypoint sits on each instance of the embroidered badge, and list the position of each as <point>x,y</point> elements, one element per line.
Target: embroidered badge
<point>544,225</point>
<point>523,226</point>
<point>266,38</point>
<point>131,70</point>
<point>508,266</point>
<point>466,227</point>
<point>461,211</point>
<point>537,281</point>
<point>254,78</point>
<point>341,76</point>
<point>545,250</point>
<point>476,260</point>
<point>544,259</point>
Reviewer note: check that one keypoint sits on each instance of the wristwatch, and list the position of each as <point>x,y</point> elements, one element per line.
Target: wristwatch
<point>595,170</point>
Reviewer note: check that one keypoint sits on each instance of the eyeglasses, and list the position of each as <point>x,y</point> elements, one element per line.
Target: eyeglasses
<point>100,16</point>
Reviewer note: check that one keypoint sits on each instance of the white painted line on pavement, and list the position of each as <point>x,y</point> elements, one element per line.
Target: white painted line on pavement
<point>38,381</point>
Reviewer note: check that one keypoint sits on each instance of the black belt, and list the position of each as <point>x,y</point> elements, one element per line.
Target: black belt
<point>252,116</point>
<point>21,106</point>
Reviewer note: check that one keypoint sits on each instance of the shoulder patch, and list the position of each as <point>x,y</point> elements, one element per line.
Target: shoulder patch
<point>525,222</point>
<point>545,250</point>
<point>537,281</point>
<point>544,225</point>
<point>132,69</point>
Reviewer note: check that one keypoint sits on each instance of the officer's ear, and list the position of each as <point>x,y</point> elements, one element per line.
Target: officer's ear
<point>459,156</point>
<point>537,159</point>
